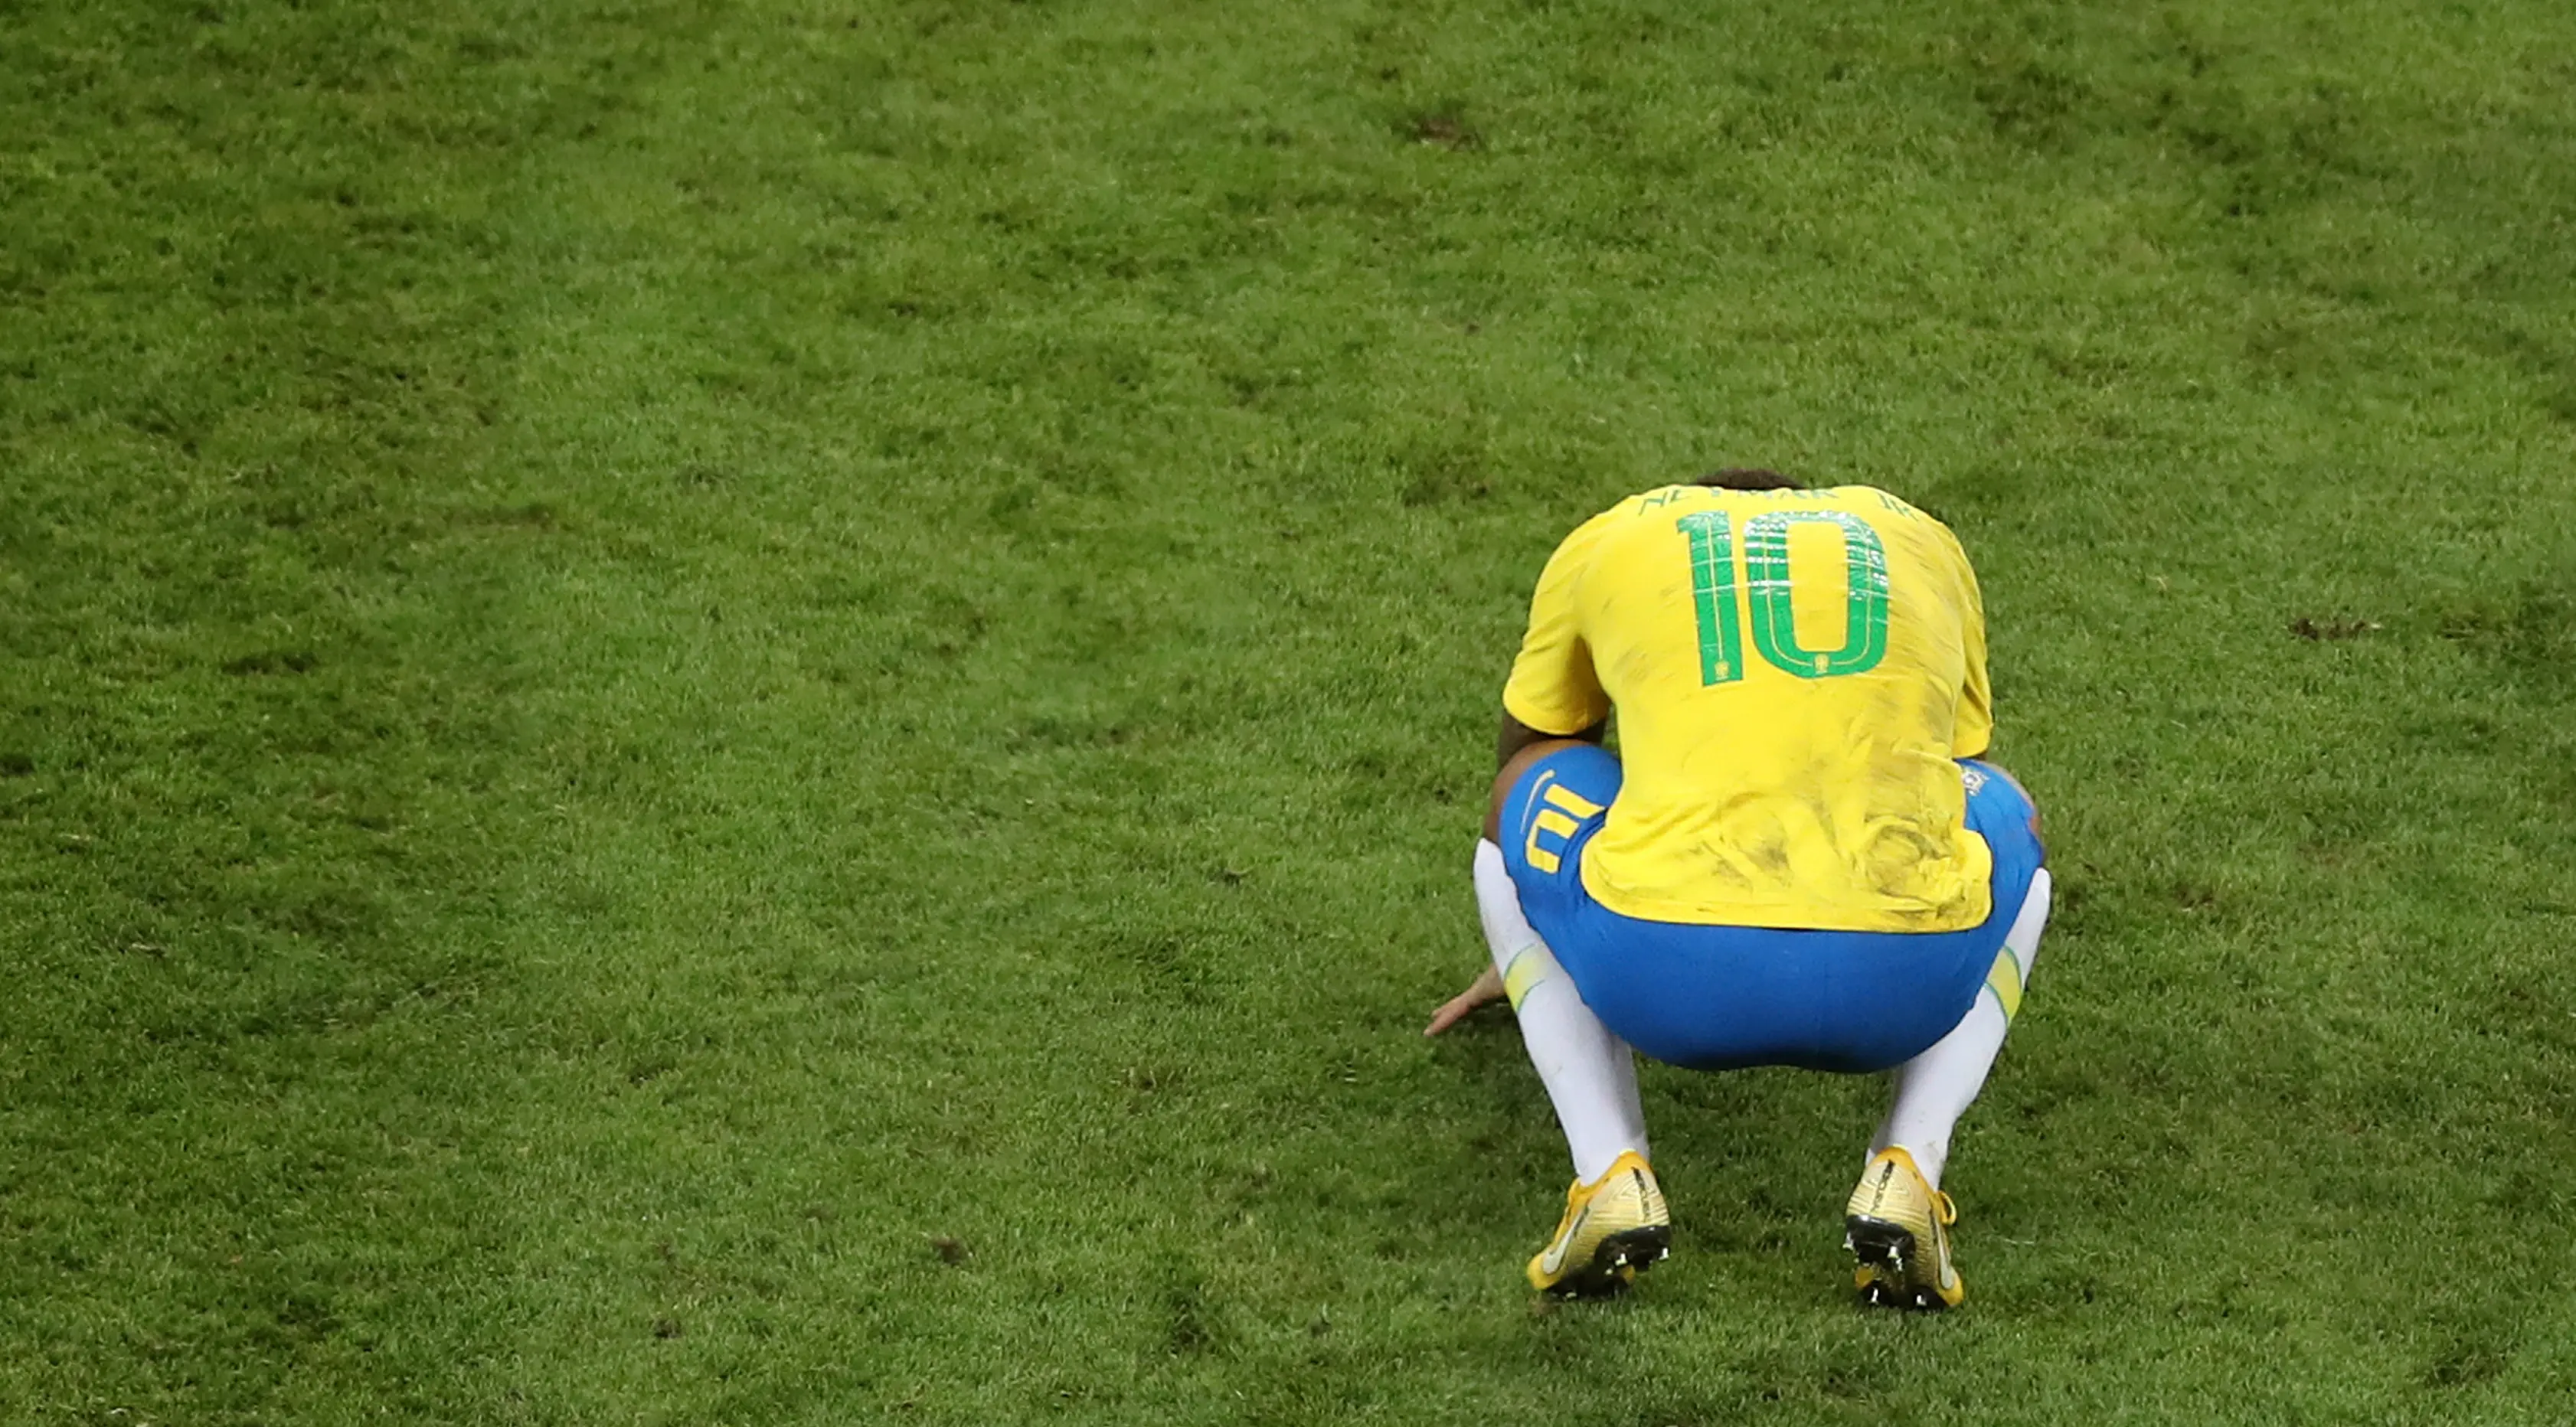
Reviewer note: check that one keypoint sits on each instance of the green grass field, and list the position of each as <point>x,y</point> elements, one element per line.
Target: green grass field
<point>772,712</point>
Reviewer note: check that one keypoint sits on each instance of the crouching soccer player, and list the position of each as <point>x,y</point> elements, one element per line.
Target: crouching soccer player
<point>1796,857</point>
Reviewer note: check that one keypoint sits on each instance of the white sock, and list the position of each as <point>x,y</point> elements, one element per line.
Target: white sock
<point>1935,1088</point>
<point>1590,1074</point>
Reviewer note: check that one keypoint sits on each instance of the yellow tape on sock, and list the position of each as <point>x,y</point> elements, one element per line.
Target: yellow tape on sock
<point>1529,966</point>
<point>2005,978</point>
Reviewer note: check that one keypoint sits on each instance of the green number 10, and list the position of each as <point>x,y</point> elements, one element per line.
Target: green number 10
<point>1766,578</point>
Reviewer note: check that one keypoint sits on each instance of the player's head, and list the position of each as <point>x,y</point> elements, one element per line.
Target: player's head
<point>1748,478</point>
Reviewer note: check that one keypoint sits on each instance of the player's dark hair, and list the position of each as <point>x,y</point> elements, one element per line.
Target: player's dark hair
<point>1748,478</point>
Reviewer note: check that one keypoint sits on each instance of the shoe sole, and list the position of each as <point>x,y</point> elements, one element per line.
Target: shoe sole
<point>1616,1262</point>
<point>1885,1254</point>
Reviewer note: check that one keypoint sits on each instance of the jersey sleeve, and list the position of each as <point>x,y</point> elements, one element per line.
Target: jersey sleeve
<point>1553,687</point>
<point>1973,730</point>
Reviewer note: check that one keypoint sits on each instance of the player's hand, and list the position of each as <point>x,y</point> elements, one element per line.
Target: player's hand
<point>1488,987</point>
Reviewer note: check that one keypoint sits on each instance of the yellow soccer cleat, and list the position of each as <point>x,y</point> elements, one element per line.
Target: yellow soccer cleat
<point>1898,1229</point>
<point>1613,1228</point>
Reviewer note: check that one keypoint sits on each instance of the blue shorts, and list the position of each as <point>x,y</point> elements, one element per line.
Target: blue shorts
<point>1723,997</point>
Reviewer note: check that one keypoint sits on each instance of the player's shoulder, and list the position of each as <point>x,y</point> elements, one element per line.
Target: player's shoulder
<point>1896,519</point>
<point>1877,505</point>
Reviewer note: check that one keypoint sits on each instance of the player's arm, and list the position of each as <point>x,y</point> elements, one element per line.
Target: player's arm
<point>1553,694</point>
<point>1487,989</point>
<point>1515,739</point>
<point>1553,691</point>
<point>1973,726</point>
<point>1517,735</point>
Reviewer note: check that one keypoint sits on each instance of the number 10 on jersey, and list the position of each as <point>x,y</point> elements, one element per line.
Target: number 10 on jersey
<point>1768,595</point>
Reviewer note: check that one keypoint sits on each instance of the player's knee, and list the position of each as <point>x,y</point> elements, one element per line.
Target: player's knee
<point>1511,772</point>
<point>2019,787</point>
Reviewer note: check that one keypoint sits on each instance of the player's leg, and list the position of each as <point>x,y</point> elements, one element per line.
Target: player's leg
<point>1615,1221</point>
<point>1934,1089</point>
<point>1590,1074</point>
<point>1897,1221</point>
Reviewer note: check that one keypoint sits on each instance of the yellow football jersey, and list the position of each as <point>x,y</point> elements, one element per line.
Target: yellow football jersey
<point>1794,674</point>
